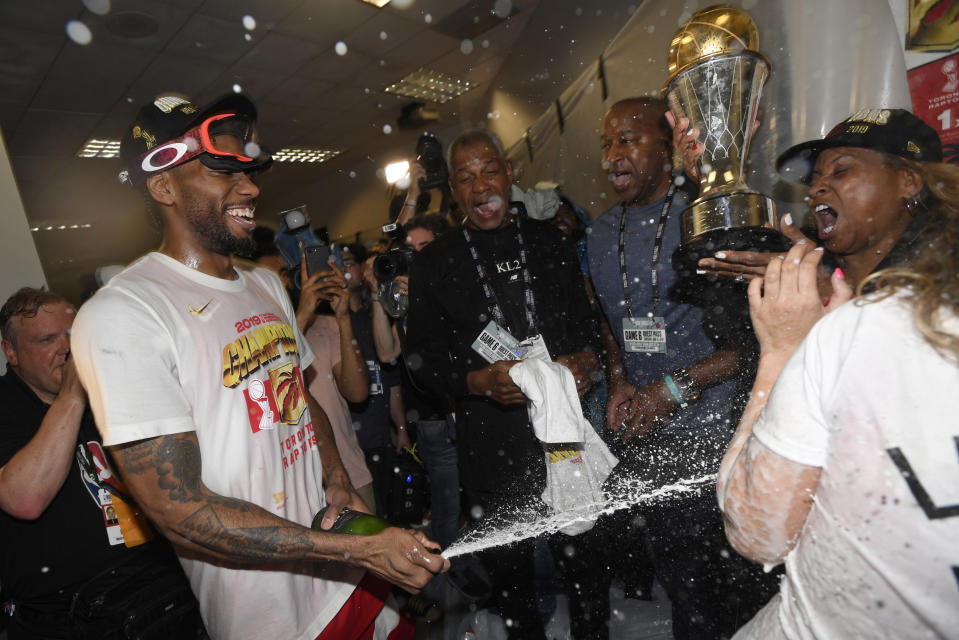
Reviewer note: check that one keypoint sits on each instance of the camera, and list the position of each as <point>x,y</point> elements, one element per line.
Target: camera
<point>429,153</point>
<point>395,262</point>
<point>295,238</point>
<point>386,267</point>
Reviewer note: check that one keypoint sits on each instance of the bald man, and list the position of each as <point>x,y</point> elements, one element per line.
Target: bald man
<point>673,366</point>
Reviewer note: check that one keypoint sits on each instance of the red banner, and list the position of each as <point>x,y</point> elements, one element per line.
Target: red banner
<point>935,99</point>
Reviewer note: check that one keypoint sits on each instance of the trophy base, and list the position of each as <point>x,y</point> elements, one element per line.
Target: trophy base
<point>759,239</point>
<point>733,221</point>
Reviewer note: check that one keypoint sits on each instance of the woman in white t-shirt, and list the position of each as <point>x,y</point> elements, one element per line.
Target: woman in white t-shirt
<point>850,472</point>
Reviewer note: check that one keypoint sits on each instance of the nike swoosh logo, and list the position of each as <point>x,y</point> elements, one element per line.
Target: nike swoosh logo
<point>197,312</point>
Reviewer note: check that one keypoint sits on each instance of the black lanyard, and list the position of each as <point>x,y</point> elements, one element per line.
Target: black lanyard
<point>495,310</point>
<point>657,248</point>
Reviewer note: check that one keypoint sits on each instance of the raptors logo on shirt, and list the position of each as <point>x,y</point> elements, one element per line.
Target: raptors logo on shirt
<point>279,399</point>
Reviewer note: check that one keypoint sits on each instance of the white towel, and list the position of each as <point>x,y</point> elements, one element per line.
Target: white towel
<point>541,204</point>
<point>554,407</point>
<point>575,475</point>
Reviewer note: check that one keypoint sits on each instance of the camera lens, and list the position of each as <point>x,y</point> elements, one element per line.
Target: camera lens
<point>384,267</point>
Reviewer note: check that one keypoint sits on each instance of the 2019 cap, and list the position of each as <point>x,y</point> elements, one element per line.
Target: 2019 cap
<point>893,131</point>
<point>172,130</point>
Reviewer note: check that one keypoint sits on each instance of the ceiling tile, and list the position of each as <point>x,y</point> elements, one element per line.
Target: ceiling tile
<point>302,92</point>
<point>267,13</point>
<point>256,83</point>
<point>384,32</point>
<point>179,74</point>
<point>332,67</point>
<point>281,54</point>
<point>426,47</point>
<point>10,115</point>
<point>42,132</point>
<point>435,9</point>
<point>89,78</point>
<point>78,94</point>
<point>326,21</point>
<point>25,59</point>
<point>214,38</point>
<point>41,17</point>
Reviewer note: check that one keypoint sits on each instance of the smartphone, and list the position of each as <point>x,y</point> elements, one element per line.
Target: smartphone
<point>317,258</point>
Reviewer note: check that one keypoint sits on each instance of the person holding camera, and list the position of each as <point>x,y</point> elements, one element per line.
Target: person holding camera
<point>383,405</point>
<point>501,277</point>
<point>339,374</point>
<point>428,171</point>
<point>435,427</point>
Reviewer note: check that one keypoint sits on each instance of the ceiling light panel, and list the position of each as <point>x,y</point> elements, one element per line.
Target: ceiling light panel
<point>305,154</point>
<point>434,86</point>
<point>99,148</point>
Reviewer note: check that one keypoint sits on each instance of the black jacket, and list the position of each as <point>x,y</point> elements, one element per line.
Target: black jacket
<point>448,309</point>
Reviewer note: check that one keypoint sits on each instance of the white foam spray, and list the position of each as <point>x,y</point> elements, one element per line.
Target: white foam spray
<point>627,493</point>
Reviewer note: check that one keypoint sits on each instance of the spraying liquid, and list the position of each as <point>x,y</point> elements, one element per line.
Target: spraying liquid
<point>628,493</point>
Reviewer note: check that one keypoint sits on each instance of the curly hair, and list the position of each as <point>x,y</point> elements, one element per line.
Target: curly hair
<point>931,283</point>
<point>25,303</point>
<point>432,222</point>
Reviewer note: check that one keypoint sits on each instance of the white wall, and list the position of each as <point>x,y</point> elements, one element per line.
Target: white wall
<point>828,60</point>
<point>19,262</point>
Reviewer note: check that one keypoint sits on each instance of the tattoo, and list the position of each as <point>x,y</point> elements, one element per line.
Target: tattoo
<point>264,544</point>
<point>178,467</point>
<point>135,457</point>
<point>176,461</point>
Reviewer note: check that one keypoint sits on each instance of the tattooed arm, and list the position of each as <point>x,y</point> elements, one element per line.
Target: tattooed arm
<point>164,474</point>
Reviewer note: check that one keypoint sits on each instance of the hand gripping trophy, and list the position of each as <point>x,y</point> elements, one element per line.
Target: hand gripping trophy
<point>716,76</point>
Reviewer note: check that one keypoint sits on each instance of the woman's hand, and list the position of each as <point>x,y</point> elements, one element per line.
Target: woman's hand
<point>750,264</point>
<point>332,286</point>
<point>785,303</point>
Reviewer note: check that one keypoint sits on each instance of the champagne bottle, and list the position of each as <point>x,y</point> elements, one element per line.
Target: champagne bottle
<point>350,521</point>
<point>356,523</point>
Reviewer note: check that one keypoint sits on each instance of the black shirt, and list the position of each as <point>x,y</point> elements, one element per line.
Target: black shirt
<point>448,309</point>
<point>372,416</point>
<point>68,543</point>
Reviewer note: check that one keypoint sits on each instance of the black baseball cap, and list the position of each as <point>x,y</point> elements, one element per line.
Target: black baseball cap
<point>169,116</point>
<point>893,131</point>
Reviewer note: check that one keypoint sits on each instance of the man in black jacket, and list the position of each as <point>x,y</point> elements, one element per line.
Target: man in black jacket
<point>503,287</point>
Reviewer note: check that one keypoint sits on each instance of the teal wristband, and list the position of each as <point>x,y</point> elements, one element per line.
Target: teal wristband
<point>673,389</point>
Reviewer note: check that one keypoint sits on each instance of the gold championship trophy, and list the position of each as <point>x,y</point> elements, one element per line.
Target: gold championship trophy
<point>716,76</point>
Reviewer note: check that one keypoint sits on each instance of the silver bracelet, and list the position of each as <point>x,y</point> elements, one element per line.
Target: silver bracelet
<point>688,389</point>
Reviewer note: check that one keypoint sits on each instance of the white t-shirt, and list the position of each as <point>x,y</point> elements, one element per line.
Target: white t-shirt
<point>165,349</point>
<point>868,400</point>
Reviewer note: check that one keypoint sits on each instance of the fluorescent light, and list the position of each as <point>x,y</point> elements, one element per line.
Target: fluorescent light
<point>434,86</point>
<point>306,154</point>
<point>102,148</point>
<point>62,227</point>
<point>99,148</point>
<point>396,171</point>
<point>377,3</point>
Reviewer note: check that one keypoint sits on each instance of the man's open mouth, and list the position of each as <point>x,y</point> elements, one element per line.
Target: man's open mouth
<point>243,216</point>
<point>488,208</point>
<point>619,179</point>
